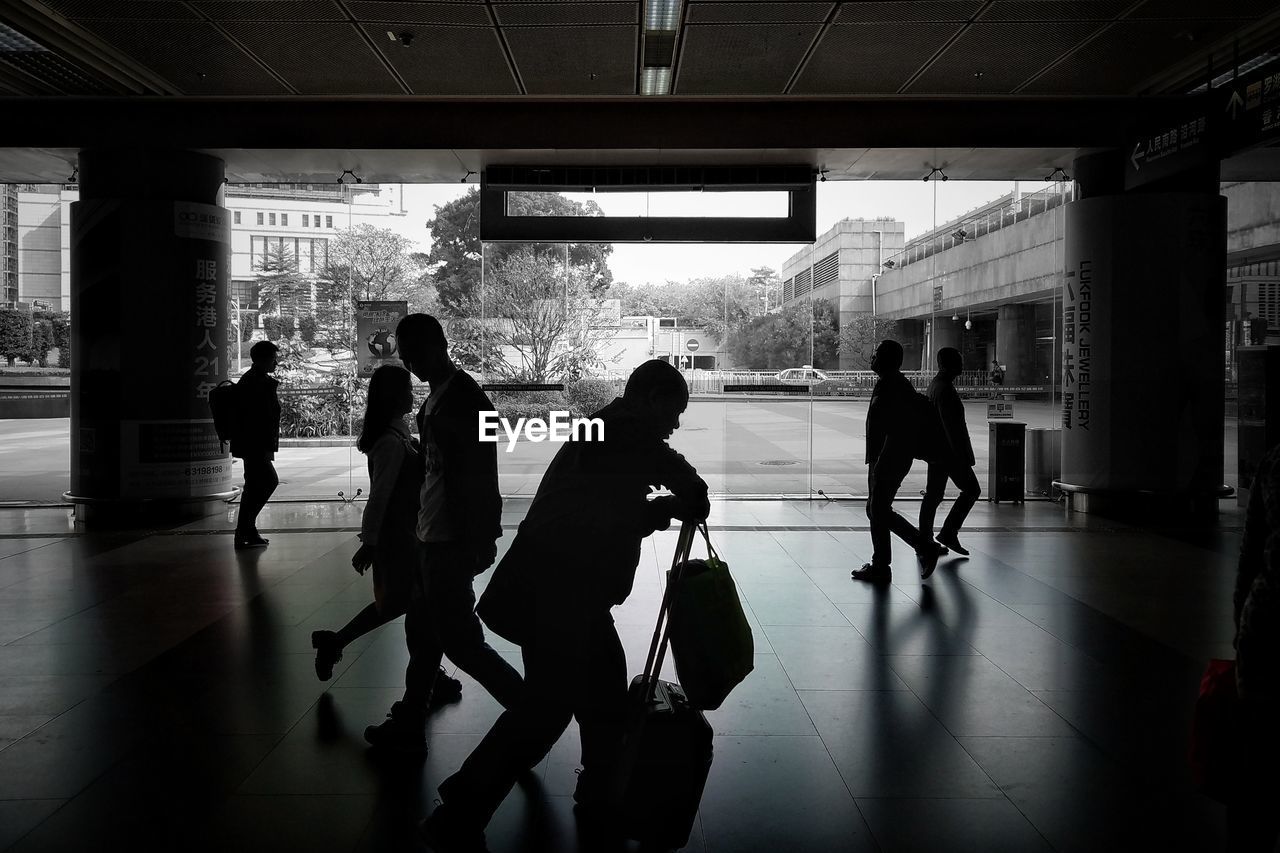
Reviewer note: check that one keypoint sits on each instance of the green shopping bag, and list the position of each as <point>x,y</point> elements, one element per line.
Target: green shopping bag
<point>711,641</point>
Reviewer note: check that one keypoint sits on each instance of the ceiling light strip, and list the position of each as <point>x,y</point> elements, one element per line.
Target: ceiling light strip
<point>657,58</point>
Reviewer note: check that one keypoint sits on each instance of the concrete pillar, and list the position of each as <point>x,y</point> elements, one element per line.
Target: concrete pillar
<point>947,333</point>
<point>150,255</point>
<point>1142,353</point>
<point>1016,343</point>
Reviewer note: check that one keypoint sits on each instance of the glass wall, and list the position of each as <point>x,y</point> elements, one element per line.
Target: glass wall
<point>773,340</point>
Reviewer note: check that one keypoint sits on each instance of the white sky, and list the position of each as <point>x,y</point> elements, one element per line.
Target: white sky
<point>911,202</point>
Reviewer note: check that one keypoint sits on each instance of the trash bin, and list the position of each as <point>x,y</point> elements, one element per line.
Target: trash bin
<point>1044,459</point>
<point>1006,478</point>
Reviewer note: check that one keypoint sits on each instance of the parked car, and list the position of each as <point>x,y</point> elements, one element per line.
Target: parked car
<point>818,381</point>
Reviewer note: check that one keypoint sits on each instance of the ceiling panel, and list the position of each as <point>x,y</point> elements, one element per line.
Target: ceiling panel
<point>194,57</point>
<point>452,61</point>
<point>764,13</point>
<point>575,61</point>
<point>1006,55</point>
<point>474,14</point>
<point>1055,10</point>
<point>907,11</point>
<point>1222,10</point>
<point>64,77</point>
<point>318,58</point>
<point>1124,56</point>
<point>741,59</point>
<point>870,58</point>
<point>566,14</point>
<point>130,9</point>
<point>271,10</point>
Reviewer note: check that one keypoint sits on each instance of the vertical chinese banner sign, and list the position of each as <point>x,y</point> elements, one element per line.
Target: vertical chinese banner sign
<point>151,280</point>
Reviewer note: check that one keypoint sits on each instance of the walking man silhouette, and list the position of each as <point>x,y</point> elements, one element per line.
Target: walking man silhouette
<point>458,525</point>
<point>256,439</point>
<point>895,426</point>
<point>957,465</point>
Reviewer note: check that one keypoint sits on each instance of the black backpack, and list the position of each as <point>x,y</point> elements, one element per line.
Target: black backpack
<point>223,402</point>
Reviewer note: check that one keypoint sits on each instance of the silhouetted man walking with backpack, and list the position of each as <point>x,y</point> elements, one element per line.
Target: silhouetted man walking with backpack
<point>900,427</point>
<point>256,439</point>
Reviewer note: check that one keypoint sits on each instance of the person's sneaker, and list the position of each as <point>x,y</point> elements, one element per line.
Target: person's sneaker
<point>444,835</point>
<point>446,691</point>
<point>398,732</point>
<point>250,542</point>
<point>949,540</point>
<point>872,573</point>
<point>328,653</point>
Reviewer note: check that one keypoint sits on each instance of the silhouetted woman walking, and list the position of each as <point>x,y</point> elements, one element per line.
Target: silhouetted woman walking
<point>388,540</point>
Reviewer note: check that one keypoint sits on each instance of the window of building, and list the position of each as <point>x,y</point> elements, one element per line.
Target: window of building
<point>259,217</point>
<point>257,251</point>
<point>284,219</point>
<point>328,222</point>
<point>236,217</point>
<point>272,218</point>
<point>306,221</point>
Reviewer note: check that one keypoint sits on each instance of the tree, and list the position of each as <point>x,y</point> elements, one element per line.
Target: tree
<point>801,333</point>
<point>720,304</point>
<point>766,287</point>
<point>15,333</point>
<point>536,324</point>
<point>374,261</point>
<point>859,337</point>
<point>280,285</point>
<point>454,259</point>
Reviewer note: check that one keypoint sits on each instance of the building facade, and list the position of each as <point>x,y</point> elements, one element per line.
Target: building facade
<point>844,266</point>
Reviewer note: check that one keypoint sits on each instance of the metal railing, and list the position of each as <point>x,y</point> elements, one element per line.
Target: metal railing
<point>986,220</point>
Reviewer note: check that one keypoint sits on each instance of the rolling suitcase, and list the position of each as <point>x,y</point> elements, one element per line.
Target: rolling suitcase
<point>666,750</point>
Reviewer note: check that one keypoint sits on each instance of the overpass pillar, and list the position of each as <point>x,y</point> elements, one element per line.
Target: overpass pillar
<point>946,333</point>
<point>1142,359</point>
<point>150,251</point>
<point>1016,343</point>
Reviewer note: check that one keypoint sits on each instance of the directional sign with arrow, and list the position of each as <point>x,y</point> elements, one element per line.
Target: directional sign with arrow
<point>1173,146</point>
<point>1250,111</point>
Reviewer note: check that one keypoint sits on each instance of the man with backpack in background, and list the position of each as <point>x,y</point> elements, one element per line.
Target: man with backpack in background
<point>901,426</point>
<point>255,439</point>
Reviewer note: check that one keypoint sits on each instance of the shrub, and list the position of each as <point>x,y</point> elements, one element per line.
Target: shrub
<point>529,404</point>
<point>588,396</point>
<point>41,342</point>
<point>277,326</point>
<point>15,333</point>
<point>62,337</point>
<point>307,328</point>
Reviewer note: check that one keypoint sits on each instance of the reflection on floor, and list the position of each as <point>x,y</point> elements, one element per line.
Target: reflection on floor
<point>156,690</point>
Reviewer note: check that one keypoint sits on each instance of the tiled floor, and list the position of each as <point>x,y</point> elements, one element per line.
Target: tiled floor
<point>156,690</point>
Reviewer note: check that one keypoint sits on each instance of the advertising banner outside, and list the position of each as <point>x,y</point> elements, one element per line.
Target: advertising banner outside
<point>154,337</point>
<point>376,334</point>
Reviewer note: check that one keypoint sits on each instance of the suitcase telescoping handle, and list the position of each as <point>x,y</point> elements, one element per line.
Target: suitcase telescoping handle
<point>661,633</point>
